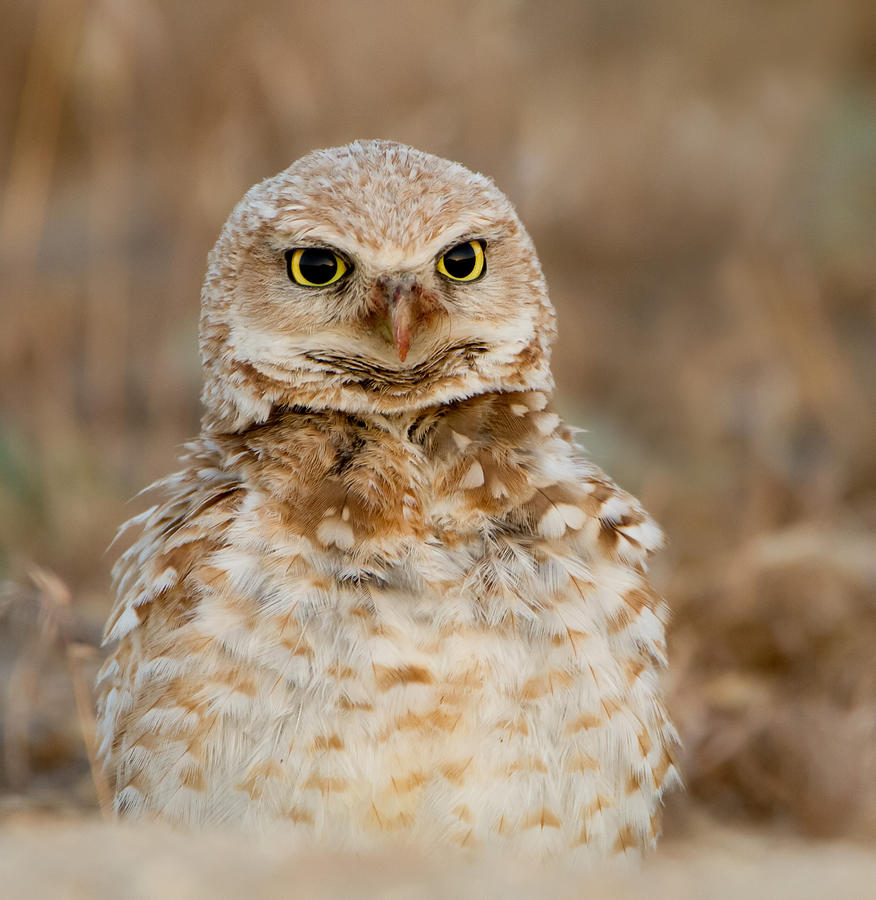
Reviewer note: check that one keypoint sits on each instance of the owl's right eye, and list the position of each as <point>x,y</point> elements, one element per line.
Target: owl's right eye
<point>464,262</point>
<point>314,266</point>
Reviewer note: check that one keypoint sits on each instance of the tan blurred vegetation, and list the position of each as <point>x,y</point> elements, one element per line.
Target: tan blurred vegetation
<point>700,180</point>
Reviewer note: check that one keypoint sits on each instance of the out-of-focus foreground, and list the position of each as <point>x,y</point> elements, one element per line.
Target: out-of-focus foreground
<point>700,181</point>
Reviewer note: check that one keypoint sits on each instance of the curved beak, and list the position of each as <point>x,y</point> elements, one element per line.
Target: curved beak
<point>397,305</point>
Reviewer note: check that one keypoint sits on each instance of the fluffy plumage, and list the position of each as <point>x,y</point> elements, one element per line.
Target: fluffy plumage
<point>387,595</point>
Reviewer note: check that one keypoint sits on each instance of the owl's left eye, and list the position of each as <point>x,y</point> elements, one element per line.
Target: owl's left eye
<point>314,266</point>
<point>464,262</point>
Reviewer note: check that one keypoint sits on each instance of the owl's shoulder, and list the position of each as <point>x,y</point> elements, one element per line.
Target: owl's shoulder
<point>194,508</point>
<point>512,457</point>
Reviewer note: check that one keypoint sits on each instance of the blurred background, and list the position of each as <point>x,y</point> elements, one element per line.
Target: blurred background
<point>700,181</point>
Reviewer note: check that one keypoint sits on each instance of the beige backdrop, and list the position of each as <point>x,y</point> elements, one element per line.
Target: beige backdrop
<point>700,181</point>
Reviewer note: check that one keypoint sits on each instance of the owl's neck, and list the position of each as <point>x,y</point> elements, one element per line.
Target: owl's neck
<point>379,475</point>
<point>478,413</point>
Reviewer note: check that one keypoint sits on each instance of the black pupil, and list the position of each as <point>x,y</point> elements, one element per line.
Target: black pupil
<point>318,266</point>
<point>460,261</point>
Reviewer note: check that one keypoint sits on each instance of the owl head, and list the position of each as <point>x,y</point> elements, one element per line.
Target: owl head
<point>370,278</point>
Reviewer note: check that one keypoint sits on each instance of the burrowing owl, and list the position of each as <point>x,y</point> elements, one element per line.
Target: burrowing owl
<point>387,594</point>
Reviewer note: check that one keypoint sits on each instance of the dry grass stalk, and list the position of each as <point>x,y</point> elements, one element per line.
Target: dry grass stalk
<point>55,622</point>
<point>57,617</point>
<point>75,654</point>
<point>36,133</point>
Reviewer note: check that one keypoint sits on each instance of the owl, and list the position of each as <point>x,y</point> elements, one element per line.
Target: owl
<point>387,597</point>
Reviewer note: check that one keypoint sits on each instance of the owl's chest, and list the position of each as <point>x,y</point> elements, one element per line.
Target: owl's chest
<point>386,709</point>
<point>450,683</point>
<point>409,667</point>
<point>393,693</point>
<point>406,644</point>
<point>419,643</point>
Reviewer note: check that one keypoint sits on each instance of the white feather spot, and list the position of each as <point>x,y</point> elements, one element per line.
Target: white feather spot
<point>498,489</point>
<point>126,622</point>
<point>536,400</point>
<point>558,518</point>
<point>614,509</point>
<point>167,579</point>
<point>552,524</point>
<point>460,440</point>
<point>546,423</point>
<point>337,532</point>
<point>474,477</point>
<point>519,409</point>
<point>646,534</point>
<point>573,516</point>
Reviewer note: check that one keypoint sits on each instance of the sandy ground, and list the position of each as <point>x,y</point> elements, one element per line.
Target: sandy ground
<point>76,858</point>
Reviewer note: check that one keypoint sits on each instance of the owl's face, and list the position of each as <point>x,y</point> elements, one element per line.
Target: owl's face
<point>371,278</point>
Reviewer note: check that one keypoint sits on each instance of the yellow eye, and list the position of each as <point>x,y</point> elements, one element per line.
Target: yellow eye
<point>314,266</point>
<point>464,262</point>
